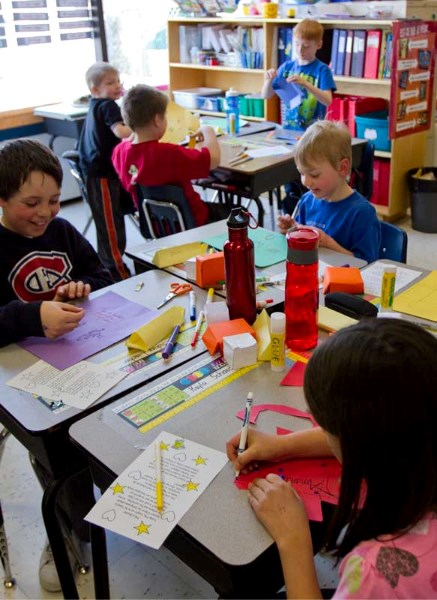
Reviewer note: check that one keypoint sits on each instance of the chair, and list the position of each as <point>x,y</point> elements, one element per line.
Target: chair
<point>165,210</point>
<point>362,176</point>
<point>394,242</point>
<point>72,158</point>
<point>8,581</point>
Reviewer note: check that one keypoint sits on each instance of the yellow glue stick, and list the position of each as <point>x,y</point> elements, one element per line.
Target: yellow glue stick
<point>277,336</point>
<point>388,288</point>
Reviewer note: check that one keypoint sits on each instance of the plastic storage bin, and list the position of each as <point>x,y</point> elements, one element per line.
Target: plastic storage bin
<point>423,200</point>
<point>212,103</point>
<point>188,98</point>
<point>373,126</point>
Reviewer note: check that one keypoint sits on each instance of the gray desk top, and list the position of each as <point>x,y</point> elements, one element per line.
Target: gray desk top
<point>37,417</point>
<point>63,111</point>
<point>220,519</point>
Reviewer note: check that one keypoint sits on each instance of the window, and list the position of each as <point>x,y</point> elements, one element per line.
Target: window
<point>45,48</point>
<point>136,34</point>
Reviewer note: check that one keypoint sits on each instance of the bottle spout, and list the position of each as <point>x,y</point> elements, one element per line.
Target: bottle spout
<point>238,218</point>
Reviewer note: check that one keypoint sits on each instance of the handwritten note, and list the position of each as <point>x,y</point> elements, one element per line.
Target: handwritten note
<point>128,506</point>
<point>372,278</point>
<point>108,319</point>
<point>78,386</point>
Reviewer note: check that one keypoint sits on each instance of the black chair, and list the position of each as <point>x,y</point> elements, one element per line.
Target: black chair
<point>394,242</point>
<point>164,210</point>
<point>72,159</point>
<point>362,176</point>
<point>8,580</point>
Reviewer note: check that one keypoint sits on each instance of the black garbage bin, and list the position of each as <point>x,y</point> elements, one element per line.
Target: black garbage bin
<point>423,200</point>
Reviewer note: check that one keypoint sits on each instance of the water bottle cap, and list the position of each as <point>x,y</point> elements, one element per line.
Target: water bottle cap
<point>303,238</point>
<point>238,219</point>
<point>277,322</point>
<point>231,92</point>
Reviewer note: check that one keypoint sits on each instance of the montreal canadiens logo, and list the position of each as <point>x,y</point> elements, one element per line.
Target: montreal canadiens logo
<point>38,274</point>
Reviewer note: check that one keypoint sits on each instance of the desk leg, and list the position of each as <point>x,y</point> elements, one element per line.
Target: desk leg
<point>100,562</point>
<point>56,538</point>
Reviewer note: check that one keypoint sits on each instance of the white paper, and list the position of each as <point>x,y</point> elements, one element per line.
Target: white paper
<point>128,506</point>
<point>372,277</point>
<point>269,151</point>
<point>79,386</point>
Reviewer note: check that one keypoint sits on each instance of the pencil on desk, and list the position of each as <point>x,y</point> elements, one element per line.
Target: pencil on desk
<point>245,427</point>
<point>158,477</point>
<point>241,161</point>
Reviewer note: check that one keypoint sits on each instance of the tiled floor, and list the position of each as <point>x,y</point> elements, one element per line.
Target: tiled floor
<point>135,571</point>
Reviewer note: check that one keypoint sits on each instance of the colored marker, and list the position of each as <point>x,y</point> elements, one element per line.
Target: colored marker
<point>171,342</point>
<point>158,477</point>
<point>210,295</point>
<point>192,306</point>
<point>197,330</point>
<point>245,427</point>
<point>263,303</point>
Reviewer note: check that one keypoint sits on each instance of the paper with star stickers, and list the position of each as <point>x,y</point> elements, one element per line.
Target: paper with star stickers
<point>128,506</point>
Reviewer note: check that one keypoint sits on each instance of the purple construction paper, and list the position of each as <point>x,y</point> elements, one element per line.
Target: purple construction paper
<point>108,319</point>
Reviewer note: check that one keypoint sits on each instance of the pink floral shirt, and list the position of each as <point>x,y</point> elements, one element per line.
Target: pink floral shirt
<point>402,568</point>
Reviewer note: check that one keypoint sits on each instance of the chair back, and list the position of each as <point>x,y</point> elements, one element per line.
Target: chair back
<point>394,242</point>
<point>165,210</point>
<point>362,176</point>
<point>72,159</point>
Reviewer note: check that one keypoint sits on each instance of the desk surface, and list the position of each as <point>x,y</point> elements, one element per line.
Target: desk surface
<point>31,420</point>
<point>61,111</point>
<point>220,519</point>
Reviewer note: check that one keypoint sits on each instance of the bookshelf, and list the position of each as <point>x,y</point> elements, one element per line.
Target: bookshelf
<point>406,152</point>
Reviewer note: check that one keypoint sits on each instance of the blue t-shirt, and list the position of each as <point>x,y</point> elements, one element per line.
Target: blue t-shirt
<point>310,109</point>
<point>352,223</point>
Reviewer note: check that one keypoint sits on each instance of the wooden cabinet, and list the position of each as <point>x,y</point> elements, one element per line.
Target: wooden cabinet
<point>406,152</point>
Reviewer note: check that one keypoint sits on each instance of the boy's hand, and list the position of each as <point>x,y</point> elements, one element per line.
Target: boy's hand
<point>58,318</point>
<point>284,223</point>
<point>203,133</point>
<point>271,73</point>
<point>72,291</point>
<point>298,80</point>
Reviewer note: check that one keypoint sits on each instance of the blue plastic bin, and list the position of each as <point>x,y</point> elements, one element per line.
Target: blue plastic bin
<point>373,126</point>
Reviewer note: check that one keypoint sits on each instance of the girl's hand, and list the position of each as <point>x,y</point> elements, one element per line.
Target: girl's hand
<point>280,509</point>
<point>284,223</point>
<point>72,291</point>
<point>260,447</point>
<point>271,74</point>
<point>58,318</point>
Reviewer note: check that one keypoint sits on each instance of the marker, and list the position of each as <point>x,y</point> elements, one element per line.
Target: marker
<point>210,295</point>
<point>245,427</point>
<point>197,330</point>
<point>192,306</point>
<point>158,477</point>
<point>263,303</point>
<point>171,342</point>
<point>388,288</point>
<point>262,279</point>
<point>139,286</point>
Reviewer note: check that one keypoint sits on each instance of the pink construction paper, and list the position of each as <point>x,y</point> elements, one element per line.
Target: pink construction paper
<point>295,375</point>
<point>108,319</point>
<point>279,408</point>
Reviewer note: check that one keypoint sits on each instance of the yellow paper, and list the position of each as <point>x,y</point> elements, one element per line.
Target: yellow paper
<point>420,299</point>
<point>174,255</point>
<point>331,320</point>
<point>157,329</point>
<point>262,330</point>
<point>180,122</point>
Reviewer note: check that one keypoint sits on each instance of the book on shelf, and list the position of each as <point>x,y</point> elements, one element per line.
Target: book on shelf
<point>359,46</point>
<point>382,54</point>
<point>341,52</point>
<point>334,50</point>
<point>388,56</point>
<point>348,55</point>
<point>373,48</point>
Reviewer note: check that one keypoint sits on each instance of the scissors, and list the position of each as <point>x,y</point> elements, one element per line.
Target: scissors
<point>176,289</point>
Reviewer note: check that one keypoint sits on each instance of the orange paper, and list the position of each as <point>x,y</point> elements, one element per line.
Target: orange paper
<point>213,336</point>
<point>210,269</point>
<point>343,279</point>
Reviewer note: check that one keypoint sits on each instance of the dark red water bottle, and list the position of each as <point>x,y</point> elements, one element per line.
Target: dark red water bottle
<point>240,268</point>
<point>302,289</point>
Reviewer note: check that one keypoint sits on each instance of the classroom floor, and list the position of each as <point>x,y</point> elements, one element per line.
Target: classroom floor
<point>135,571</point>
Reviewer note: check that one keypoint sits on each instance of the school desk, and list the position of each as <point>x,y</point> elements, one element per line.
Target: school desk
<point>62,119</point>
<point>43,429</point>
<point>219,537</point>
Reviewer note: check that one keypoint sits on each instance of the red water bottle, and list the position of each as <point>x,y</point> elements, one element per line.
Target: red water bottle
<point>302,289</point>
<point>240,268</point>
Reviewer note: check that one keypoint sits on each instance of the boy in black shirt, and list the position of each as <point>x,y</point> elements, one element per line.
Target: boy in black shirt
<point>102,131</point>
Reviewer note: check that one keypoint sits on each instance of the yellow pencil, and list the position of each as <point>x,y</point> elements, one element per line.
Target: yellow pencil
<point>159,487</point>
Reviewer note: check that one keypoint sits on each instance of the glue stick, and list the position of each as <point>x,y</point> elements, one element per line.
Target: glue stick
<point>388,288</point>
<point>277,334</point>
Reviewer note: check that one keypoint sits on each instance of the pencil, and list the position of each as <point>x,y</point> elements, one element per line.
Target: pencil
<point>158,477</point>
<point>245,427</point>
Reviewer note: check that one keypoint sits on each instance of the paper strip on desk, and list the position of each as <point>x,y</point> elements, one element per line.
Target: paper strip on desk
<point>78,386</point>
<point>128,506</point>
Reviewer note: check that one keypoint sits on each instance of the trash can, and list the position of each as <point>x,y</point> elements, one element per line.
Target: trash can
<point>423,200</point>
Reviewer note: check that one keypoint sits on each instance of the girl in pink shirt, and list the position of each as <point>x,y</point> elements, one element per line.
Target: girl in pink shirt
<point>372,388</point>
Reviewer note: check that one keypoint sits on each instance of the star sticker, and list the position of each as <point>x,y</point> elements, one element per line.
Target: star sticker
<point>178,444</point>
<point>163,446</point>
<point>191,486</point>
<point>118,489</point>
<point>200,460</point>
<point>142,528</point>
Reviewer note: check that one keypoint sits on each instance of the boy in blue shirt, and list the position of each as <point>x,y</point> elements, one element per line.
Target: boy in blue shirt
<point>347,222</point>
